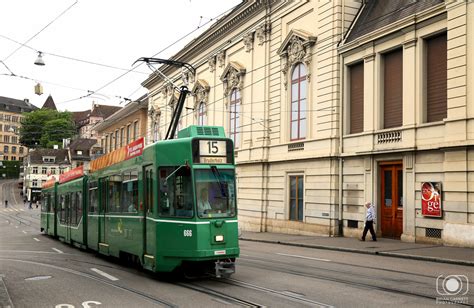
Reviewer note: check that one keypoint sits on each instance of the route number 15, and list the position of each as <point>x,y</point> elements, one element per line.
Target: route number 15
<point>212,148</point>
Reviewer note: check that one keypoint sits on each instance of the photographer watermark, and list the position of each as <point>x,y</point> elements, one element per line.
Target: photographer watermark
<point>452,289</point>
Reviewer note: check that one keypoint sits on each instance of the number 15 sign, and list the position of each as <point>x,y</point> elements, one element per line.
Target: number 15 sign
<point>212,151</point>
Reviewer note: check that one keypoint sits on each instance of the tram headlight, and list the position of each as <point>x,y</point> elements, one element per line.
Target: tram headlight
<point>219,238</point>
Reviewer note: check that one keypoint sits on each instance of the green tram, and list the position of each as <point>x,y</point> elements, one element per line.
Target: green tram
<point>171,205</point>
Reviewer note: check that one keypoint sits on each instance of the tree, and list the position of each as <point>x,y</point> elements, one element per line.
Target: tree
<point>45,128</point>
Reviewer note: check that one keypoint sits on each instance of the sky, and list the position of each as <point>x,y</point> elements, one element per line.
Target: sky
<point>107,32</point>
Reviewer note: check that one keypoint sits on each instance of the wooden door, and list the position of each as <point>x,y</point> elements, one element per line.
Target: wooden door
<point>391,203</point>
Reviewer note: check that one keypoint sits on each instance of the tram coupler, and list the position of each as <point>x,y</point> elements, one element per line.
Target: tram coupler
<point>224,268</point>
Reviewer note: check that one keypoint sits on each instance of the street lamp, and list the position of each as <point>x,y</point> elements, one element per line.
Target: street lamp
<point>39,61</point>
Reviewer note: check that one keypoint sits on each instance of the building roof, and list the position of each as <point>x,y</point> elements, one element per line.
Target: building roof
<point>36,155</point>
<point>81,118</point>
<point>130,108</point>
<point>82,144</point>
<point>16,105</point>
<point>376,14</point>
<point>104,111</point>
<point>49,103</point>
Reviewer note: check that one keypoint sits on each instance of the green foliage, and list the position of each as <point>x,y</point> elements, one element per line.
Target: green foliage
<point>45,128</point>
<point>11,169</point>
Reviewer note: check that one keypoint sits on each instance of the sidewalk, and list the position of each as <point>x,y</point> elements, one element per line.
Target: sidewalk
<point>383,247</point>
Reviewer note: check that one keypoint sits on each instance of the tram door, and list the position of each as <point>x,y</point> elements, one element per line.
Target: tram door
<point>103,245</point>
<point>149,235</point>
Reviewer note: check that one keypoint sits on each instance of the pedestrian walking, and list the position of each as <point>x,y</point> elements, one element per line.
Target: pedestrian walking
<point>37,203</point>
<point>369,222</point>
<point>30,205</point>
<point>24,202</point>
<point>6,203</point>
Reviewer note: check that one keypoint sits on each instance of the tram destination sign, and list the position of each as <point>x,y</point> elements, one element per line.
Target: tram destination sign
<point>212,151</point>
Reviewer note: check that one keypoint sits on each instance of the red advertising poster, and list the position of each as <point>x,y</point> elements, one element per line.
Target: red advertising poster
<point>71,174</point>
<point>431,199</point>
<point>135,148</point>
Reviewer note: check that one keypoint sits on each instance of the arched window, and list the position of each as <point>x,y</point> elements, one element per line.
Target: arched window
<point>202,118</point>
<point>234,123</point>
<point>299,86</point>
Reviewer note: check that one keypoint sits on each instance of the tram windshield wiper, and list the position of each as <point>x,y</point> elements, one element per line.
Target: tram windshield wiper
<point>218,176</point>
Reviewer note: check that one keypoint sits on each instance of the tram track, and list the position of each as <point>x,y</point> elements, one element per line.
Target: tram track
<point>148,297</point>
<point>286,295</point>
<point>338,280</point>
<point>228,299</point>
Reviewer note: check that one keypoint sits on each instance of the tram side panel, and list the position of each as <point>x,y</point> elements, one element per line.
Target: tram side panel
<point>70,212</point>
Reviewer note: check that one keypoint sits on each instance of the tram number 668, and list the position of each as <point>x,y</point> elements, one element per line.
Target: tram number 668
<point>188,233</point>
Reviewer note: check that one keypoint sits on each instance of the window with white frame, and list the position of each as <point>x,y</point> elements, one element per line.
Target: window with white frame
<point>234,115</point>
<point>202,117</point>
<point>299,86</point>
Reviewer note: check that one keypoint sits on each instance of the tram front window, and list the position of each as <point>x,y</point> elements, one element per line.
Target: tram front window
<point>215,193</point>
<point>175,191</point>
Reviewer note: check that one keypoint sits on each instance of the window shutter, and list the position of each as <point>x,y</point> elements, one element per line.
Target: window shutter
<point>437,76</point>
<point>393,89</point>
<point>357,98</point>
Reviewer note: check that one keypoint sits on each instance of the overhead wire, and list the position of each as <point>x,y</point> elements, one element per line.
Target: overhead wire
<point>162,50</point>
<point>246,86</point>
<point>42,29</point>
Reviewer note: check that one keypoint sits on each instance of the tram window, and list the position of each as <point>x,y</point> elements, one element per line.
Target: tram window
<point>62,208</point>
<point>175,194</point>
<point>79,206</point>
<point>93,197</point>
<point>115,183</point>
<point>44,204</point>
<point>129,202</point>
<point>73,208</point>
<point>215,193</point>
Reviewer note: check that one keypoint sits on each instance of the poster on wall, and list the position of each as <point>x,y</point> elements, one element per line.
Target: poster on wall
<point>431,199</point>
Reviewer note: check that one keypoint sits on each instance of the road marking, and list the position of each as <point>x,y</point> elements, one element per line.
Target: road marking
<point>303,257</point>
<point>57,250</point>
<point>104,274</point>
<point>24,231</point>
<point>36,239</point>
<point>16,227</point>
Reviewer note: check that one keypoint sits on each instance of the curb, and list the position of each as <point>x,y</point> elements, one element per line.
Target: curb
<point>361,251</point>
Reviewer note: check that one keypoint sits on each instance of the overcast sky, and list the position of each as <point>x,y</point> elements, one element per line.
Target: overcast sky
<point>113,33</point>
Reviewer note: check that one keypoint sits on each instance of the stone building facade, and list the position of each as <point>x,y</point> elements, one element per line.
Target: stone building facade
<point>124,126</point>
<point>408,118</point>
<point>275,75</point>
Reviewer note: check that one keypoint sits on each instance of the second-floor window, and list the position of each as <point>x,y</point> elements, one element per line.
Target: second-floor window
<point>436,78</point>
<point>234,123</point>
<point>393,89</point>
<point>44,170</point>
<point>356,98</point>
<point>299,85</point>
<point>129,129</point>
<point>122,136</point>
<point>5,149</point>
<point>34,183</point>
<point>135,130</point>
<point>13,150</point>
<point>202,118</point>
<point>35,170</point>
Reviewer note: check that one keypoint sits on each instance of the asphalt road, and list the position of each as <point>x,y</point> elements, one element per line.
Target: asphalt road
<point>38,271</point>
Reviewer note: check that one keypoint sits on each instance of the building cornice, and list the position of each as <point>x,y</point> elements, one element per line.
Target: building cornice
<point>229,23</point>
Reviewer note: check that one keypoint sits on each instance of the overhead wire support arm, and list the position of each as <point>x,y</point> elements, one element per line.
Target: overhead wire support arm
<point>183,90</point>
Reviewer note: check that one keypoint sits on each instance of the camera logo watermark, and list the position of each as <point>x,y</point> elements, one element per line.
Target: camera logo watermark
<point>452,289</point>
